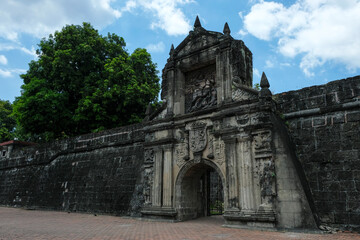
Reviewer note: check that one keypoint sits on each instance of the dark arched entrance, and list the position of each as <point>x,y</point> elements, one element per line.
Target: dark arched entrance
<point>199,190</point>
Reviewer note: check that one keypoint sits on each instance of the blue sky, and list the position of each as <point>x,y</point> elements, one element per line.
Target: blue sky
<point>297,43</point>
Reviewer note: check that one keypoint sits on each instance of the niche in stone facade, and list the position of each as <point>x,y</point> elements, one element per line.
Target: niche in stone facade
<point>200,90</point>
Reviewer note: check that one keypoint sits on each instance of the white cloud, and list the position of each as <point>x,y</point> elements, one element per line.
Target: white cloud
<point>17,46</point>
<point>256,72</point>
<point>269,64</point>
<point>167,13</point>
<point>159,47</point>
<point>42,17</point>
<point>242,32</point>
<point>317,30</point>
<point>129,6</point>
<point>6,73</point>
<point>3,60</point>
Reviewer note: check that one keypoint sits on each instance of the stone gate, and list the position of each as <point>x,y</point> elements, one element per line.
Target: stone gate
<point>287,161</point>
<point>212,119</point>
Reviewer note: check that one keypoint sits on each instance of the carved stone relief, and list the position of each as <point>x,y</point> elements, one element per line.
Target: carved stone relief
<point>266,176</point>
<point>148,181</point>
<point>239,94</point>
<point>197,137</point>
<point>219,151</point>
<point>181,154</point>
<point>200,90</point>
<point>149,155</point>
<point>264,167</point>
<point>262,142</point>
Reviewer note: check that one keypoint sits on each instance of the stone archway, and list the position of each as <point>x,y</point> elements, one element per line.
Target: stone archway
<point>192,189</point>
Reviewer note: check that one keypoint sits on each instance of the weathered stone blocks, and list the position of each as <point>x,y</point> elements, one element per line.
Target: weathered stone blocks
<point>326,135</point>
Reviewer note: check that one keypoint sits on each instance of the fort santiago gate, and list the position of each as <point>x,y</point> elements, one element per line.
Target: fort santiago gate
<point>221,125</point>
<point>215,145</point>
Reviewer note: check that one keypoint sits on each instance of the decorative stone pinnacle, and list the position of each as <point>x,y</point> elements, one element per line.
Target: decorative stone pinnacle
<point>264,83</point>
<point>197,22</point>
<point>226,29</point>
<point>265,92</point>
<point>171,50</point>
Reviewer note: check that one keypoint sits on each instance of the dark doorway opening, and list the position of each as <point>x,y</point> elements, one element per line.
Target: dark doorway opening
<point>216,194</point>
<point>200,193</point>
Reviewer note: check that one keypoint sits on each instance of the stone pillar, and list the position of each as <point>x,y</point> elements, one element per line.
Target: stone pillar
<point>170,96</point>
<point>223,75</point>
<point>219,79</point>
<point>232,173</point>
<point>265,171</point>
<point>158,179</point>
<point>245,166</point>
<point>179,92</point>
<point>168,177</point>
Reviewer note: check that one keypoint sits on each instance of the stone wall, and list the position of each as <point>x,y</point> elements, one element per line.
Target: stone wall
<point>101,172</point>
<point>324,123</point>
<point>90,173</point>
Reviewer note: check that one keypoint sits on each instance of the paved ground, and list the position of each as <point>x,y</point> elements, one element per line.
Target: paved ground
<point>25,224</point>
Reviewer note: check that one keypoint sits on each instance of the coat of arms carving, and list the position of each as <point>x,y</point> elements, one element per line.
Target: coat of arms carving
<point>198,137</point>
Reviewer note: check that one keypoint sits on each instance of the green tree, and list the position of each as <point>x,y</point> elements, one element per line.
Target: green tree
<point>7,121</point>
<point>84,82</point>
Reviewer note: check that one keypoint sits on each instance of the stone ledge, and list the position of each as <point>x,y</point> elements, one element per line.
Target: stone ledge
<point>159,212</point>
<point>250,216</point>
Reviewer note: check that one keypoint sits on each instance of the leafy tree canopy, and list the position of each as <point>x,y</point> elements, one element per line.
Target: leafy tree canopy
<point>7,121</point>
<point>84,82</point>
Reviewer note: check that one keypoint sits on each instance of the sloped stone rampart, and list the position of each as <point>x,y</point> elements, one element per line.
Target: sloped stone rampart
<point>324,123</point>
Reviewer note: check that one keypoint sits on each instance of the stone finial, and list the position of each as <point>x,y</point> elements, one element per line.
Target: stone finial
<point>171,53</point>
<point>197,22</point>
<point>265,93</point>
<point>226,30</point>
<point>264,83</point>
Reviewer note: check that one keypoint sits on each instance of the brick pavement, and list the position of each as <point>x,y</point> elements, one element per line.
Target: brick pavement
<point>25,224</point>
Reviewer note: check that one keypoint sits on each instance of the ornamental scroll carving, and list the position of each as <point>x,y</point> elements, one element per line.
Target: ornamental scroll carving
<point>239,94</point>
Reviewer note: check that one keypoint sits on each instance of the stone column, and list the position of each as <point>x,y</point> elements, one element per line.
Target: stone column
<point>245,166</point>
<point>170,91</point>
<point>158,179</point>
<point>168,177</point>
<point>232,173</point>
<point>179,92</point>
<point>223,76</point>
